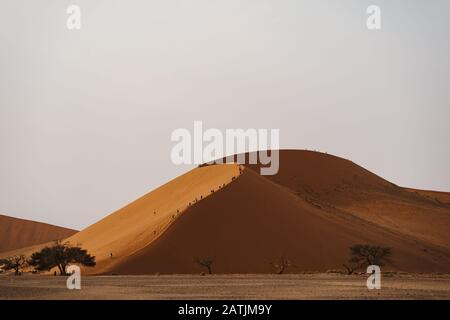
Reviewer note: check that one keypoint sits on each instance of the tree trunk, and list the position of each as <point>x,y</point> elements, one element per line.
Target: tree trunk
<point>209,269</point>
<point>281,270</point>
<point>63,266</point>
<point>349,270</point>
<point>62,269</point>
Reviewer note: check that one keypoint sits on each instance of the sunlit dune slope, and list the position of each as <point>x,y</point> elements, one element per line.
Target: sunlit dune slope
<point>139,223</point>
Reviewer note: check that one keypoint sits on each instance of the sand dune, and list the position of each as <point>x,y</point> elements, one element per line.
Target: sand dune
<point>138,224</point>
<point>254,221</point>
<point>311,212</point>
<point>17,233</point>
<point>335,183</point>
<point>438,196</point>
<point>340,186</point>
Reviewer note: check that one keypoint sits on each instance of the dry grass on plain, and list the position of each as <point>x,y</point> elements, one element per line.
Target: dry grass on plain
<point>239,287</point>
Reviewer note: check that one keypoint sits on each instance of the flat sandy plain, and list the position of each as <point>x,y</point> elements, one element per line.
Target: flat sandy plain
<point>289,286</point>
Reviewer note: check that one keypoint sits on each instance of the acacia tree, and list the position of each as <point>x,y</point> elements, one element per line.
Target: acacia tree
<point>206,262</point>
<point>16,263</point>
<point>60,255</point>
<point>364,255</point>
<point>281,265</point>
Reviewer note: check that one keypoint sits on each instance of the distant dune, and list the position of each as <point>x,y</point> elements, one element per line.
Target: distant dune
<point>311,212</point>
<point>17,233</point>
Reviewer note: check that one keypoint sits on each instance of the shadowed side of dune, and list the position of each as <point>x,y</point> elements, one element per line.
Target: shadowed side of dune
<point>340,184</point>
<point>254,221</point>
<point>333,179</point>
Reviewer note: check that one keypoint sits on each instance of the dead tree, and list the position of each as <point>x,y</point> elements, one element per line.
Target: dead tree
<point>281,265</point>
<point>16,263</point>
<point>206,262</point>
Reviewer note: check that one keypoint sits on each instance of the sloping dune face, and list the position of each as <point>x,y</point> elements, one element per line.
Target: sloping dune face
<point>19,233</point>
<point>339,185</point>
<point>114,238</point>
<point>311,212</point>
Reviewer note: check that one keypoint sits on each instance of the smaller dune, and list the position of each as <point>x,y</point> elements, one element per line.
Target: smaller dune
<point>18,233</point>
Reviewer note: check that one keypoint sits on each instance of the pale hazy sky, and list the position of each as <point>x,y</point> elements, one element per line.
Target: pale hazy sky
<point>86,116</point>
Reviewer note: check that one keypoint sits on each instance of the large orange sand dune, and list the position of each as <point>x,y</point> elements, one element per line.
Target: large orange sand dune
<point>311,212</point>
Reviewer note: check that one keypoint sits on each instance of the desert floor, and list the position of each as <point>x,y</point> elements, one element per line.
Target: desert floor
<point>300,286</point>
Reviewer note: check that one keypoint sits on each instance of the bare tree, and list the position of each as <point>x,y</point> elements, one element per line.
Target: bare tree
<point>363,255</point>
<point>281,265</point>
<point>350,268</point>
<point>206,262</point>
<point>16,263</point>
